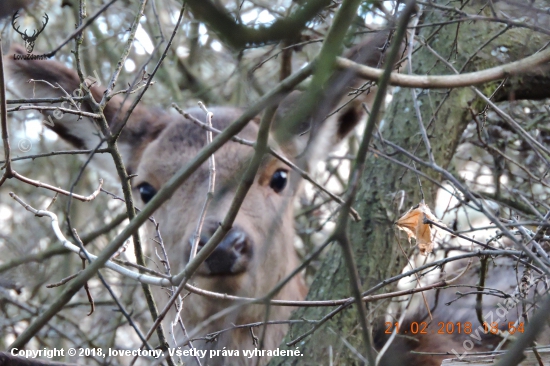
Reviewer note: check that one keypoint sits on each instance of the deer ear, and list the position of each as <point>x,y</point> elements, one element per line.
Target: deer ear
<point>52,79</point>
<point>315,136</point>
<point>336,113</point>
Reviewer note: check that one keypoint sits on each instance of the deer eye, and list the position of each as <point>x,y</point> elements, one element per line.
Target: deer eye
<point>146,191</point>
<point>278,180</point>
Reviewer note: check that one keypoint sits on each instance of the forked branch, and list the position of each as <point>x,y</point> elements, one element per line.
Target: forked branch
<point>75,249</point>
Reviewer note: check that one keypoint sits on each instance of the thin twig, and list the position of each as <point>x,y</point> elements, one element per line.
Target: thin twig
<point>211,185</point>
<point>340,233</point>
<point>4,122</point>
<point>79,30</point>
<point>60,109</point>
<point>83,253</point>
<point>38,184</point>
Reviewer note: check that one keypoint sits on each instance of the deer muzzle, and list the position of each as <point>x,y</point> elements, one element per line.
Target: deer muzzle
<point>232,255</point>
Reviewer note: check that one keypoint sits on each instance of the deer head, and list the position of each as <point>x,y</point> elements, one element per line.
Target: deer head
<point>29,40</point>
<point>258,251</point>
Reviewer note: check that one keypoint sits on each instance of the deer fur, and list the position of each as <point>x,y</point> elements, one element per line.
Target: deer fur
<point>156,143</point>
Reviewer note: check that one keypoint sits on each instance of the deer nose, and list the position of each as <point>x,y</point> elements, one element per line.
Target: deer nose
<point>231,256</point>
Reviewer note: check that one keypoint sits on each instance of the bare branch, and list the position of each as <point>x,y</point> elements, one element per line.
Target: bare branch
<point>75,249</point>
<point>527,65</point>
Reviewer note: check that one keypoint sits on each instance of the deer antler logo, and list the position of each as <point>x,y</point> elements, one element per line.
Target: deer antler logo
<point>29,40</point>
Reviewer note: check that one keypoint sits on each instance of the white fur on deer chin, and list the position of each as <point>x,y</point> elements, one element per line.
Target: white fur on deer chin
<point>29,57</point>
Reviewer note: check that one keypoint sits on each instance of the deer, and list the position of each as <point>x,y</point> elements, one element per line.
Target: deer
<point>258,251</point>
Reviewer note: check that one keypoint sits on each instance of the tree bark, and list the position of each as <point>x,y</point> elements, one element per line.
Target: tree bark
<point>375,238</point>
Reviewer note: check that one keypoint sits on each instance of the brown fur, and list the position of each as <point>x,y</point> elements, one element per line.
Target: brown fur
<point>156,143</point>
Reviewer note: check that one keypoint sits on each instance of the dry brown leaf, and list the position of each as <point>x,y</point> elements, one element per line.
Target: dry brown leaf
<point>412,222</point>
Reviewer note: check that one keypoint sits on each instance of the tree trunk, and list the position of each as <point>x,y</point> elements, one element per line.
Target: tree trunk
<point>375,238</point>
